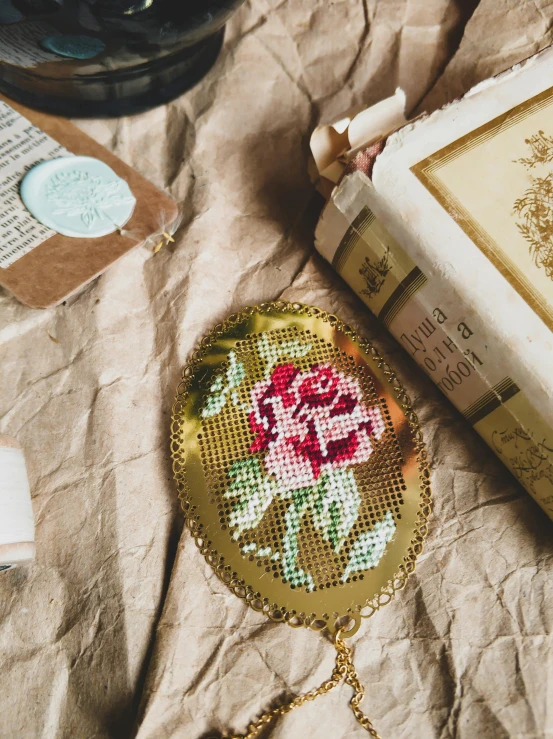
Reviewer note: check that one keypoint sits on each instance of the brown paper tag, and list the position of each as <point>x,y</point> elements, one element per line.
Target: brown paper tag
<point>61,266</point>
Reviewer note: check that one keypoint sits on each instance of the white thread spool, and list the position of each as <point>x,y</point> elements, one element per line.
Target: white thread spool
<point>17,527</point>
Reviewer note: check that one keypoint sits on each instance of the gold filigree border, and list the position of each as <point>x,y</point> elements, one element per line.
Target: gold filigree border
<point>236,584</point>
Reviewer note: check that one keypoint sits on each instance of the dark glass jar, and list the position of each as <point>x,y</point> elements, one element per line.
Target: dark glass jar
<point>107,57</point>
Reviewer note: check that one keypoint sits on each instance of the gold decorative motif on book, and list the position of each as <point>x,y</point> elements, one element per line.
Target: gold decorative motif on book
<point>374,273</point>
<point>535,208</point>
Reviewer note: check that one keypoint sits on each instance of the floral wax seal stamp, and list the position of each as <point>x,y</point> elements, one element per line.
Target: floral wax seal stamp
<point>77,196</point>
<point>302,474</point>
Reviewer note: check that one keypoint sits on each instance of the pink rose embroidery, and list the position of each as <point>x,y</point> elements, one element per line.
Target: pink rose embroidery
<point>310,422</point>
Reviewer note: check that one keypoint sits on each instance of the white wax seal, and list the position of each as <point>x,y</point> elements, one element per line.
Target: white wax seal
<point>77,196</point>
<point>17,528</point>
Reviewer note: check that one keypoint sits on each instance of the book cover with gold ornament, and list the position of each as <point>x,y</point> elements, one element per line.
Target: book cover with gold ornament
<point>445,230</point>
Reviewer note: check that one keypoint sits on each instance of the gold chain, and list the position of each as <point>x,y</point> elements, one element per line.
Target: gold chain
<point>344,669</point>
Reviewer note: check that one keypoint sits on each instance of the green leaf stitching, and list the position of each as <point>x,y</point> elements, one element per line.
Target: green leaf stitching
<point>370,545</point>
<point>272,352</point>
<point>336,505</point>
<point>255,492</point>
<point>220,390</point>
<point>290,550</point>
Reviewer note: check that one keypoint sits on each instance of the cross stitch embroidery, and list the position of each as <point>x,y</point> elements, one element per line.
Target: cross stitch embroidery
<point>310,422</point>
<point>309,430</point>
<point>235,373</point>
<point>223,387</point>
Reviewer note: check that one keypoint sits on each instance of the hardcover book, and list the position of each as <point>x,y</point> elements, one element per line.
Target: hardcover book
<point>445,230</point>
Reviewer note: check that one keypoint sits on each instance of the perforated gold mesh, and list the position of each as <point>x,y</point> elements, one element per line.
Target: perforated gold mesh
<point>227,437</point>
<point>393,481</point>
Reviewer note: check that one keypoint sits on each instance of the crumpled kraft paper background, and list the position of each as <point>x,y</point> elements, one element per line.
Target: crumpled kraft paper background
<point>120,628</point>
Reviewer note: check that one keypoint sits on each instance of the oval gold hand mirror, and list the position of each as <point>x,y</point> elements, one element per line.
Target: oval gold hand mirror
<point>302,473</point>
